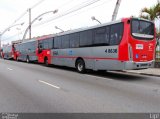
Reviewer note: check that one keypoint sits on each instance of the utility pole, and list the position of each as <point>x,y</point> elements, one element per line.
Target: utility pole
<point>116,10</point>
<point>31,22</point>
<point>0,41</point>
<point>29,10</point>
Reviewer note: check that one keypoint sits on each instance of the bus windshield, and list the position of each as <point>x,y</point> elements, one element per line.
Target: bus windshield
<point>142,29</point>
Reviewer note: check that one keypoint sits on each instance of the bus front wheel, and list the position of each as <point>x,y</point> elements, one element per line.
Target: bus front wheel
<point>80,66</point>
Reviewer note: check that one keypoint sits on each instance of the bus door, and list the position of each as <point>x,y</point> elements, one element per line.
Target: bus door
<point>40,52</point>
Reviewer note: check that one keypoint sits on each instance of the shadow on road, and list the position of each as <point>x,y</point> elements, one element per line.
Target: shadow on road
<point>116,75</point>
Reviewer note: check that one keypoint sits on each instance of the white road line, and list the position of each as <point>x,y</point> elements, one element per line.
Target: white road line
<point>10,69</point>
<point>98,77</point>
<point>54,86</point>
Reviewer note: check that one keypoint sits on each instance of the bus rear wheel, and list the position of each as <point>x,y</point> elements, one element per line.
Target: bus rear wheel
<point>80,66</point>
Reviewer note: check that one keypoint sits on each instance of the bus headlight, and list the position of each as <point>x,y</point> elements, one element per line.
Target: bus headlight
<point>48,52</point>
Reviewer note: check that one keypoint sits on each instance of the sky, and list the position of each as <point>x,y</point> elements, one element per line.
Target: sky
<point>12,10</point>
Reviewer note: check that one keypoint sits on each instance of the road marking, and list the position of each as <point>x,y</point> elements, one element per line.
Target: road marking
<point>98,77</point>
<point>54,86</point>
<point>10,69</point>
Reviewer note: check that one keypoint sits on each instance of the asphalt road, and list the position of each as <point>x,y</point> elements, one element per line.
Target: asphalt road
<point>36,88</point>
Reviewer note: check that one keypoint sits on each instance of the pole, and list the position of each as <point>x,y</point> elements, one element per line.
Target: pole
<point>0,41</point>
<point>29,26</point>
<point>29,10</point>
<point>116,10</point>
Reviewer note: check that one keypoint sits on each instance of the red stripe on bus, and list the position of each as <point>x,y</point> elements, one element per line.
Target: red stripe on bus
<point>97,58</point>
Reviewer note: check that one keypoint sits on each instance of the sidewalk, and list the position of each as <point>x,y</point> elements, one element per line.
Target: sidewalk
<point>150,71</point>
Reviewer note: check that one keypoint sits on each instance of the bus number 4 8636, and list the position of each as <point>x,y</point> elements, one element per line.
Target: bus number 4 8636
<point>111,50</point>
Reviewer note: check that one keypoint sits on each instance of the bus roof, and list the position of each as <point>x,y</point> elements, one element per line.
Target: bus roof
<point>33,39</point>
<point>87,28</point>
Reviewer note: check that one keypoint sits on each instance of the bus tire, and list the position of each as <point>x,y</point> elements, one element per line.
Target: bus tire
<point>80,66</point>
<point>27,59</point>
<point>46,62</point>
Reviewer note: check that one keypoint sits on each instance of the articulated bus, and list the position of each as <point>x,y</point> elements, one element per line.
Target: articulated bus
<point>120,45</point>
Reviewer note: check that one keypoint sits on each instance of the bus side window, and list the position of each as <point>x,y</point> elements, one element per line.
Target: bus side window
<point>58,42</point>
<point>101,36</point>
<point>74,40</point>
<point>116,33</point>
<point>65,41</point>
<point>40,47</point>
<point>86,38</point>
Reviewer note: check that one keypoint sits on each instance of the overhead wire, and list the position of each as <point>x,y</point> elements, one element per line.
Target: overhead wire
<point>38,3</point>
<point>64,4</point>
<point>64,19</point>
<point>86,10</point>
<point>71,11</point>
<point>21,16</point>
<point>81,6</point>
<point>24,13</point>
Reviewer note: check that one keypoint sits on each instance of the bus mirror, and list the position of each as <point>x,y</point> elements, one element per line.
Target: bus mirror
<point>40,46</point>
<point>128,22</point>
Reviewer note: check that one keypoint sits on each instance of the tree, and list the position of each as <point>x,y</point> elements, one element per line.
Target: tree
<point>152,13</point>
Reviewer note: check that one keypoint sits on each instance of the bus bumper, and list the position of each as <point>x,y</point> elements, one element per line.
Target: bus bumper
<point>139,65</point>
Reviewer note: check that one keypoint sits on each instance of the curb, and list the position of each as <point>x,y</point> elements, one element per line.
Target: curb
<point>142,73</point>
<point>150,74</point>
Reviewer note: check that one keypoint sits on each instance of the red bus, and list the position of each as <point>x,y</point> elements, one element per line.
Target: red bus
<point>125,44</point>
<point>8,52</point>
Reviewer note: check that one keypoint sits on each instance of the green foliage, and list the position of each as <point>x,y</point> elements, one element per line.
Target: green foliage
<point>151,13</point>
<point>158,34</point>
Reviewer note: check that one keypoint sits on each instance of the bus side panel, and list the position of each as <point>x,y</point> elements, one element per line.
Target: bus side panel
<point>87,55</point>
<point>105,56</point>
<point>57,57</point>
<point>67,57</point>
<point>96,58</point>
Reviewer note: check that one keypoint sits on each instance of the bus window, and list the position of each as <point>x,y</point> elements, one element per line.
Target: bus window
<point>57,42</point>
<point>116,33</point>
<point>142,29</point>
<point>101,36</point>
<point>74,40</point>
<point>47,43</point>
<point>86,38</point>
<point>65,41</point>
